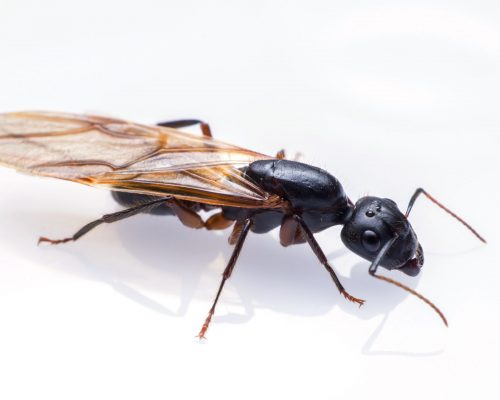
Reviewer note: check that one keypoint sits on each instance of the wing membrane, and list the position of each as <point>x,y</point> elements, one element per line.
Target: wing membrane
<point>125,156</point>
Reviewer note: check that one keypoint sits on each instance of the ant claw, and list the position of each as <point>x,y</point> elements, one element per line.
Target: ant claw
<point>353,299</point>
<point>43,239</point>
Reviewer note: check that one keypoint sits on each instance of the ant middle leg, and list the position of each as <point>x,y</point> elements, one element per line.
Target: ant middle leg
<point>245,227</point>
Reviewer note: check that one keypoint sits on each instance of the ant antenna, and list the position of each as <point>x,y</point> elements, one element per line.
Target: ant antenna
<point>420,191</point>
<point>373,270</point>
<point>415,293</point>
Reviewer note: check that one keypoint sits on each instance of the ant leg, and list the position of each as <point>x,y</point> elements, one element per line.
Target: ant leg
<point>236,232</point>
<point>290,232</point>
<point>420,191</point>
<point>218,221</point>
<point>187,216</point>
<point>323,260</point>
<point>281,155</point>
<point>108,218</point>
<point>181,123</point>
<point>227,273</point>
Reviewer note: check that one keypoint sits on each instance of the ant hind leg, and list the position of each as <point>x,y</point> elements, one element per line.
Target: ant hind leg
<point>107,218</point>
<point>187,216</point>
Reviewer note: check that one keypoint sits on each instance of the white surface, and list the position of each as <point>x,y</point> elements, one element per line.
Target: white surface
<point>386,95</point>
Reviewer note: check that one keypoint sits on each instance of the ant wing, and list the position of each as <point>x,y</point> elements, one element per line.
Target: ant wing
<point>125,156</point>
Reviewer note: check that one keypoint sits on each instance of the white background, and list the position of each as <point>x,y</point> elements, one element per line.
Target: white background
<point>386,95</point>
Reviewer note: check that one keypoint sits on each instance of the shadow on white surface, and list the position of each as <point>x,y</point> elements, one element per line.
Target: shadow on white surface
<point>367,348</point>
<point>144,256</point>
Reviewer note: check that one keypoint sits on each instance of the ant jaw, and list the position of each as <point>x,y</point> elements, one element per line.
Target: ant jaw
<point>413,266</point>
<point>410,268</point>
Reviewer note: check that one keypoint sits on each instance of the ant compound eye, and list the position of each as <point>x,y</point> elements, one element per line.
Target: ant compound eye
<point>370,240</point>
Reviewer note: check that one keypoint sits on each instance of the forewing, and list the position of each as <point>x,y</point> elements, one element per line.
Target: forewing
<point>125,156</point>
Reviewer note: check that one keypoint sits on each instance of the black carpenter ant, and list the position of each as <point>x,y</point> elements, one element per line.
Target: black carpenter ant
<point>161,170</point>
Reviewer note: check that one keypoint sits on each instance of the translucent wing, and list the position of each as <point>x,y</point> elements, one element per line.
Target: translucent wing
<point>125,156</point>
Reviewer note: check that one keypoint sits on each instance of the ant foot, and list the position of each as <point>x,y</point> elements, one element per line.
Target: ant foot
<point>44,239</point>
<point>353,299</point>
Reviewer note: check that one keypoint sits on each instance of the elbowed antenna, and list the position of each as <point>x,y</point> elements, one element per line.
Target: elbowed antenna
<point>409,290</point>
<point>420,191</point>
<point>373,269</point>
<point>385,248</point>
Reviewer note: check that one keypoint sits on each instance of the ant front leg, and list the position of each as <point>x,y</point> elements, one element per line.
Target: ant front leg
<point>323,260</point>
<point>181,123</point>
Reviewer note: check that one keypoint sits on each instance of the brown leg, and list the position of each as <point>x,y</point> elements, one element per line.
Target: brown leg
<point>323,260</point>
<point>187,216</point>
<point>227,273</point>
<point>218,221</point>
<point>205,129</point>
<point>281,155</point>
<point>236,232</point>
<point>291,232</point>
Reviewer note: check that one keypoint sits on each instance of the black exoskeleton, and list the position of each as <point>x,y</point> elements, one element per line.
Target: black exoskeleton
<point>312,200</point>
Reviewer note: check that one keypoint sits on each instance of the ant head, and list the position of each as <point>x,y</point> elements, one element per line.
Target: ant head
<point>378,231</point>
<point>374,222</point>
